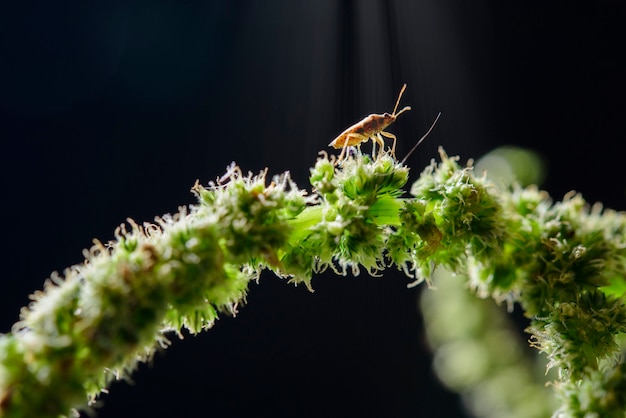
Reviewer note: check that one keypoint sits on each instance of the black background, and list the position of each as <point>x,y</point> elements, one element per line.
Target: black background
<point>113,109</point>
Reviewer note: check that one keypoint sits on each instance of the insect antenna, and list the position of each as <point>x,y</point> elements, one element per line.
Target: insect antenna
<point>398,102</point>
<point>421,139</point>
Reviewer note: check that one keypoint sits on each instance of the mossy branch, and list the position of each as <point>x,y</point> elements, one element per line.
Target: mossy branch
<point>563,263</point>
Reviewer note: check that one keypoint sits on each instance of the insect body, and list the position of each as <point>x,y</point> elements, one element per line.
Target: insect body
<point>372,127</point>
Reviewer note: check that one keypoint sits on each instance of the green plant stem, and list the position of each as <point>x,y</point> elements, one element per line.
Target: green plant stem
<point>562,263</point>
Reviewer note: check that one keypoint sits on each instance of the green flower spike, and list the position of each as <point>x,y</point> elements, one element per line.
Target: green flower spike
<point>563,263</point>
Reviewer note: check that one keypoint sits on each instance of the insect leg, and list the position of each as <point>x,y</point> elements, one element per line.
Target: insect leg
<point>374,142</point>
<point>377,139</point>
<point>343,149</point>
<point>351,139</point>
<point>393,147</point>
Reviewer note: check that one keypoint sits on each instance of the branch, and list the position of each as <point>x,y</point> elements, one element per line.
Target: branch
<point>563,263</point>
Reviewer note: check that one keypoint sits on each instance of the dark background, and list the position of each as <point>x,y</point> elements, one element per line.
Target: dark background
<point>113,109</point>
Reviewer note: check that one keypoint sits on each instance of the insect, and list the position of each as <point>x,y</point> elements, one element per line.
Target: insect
<point>372,127</point>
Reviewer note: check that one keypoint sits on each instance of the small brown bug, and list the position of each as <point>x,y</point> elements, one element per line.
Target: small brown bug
<point>371,127</point>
